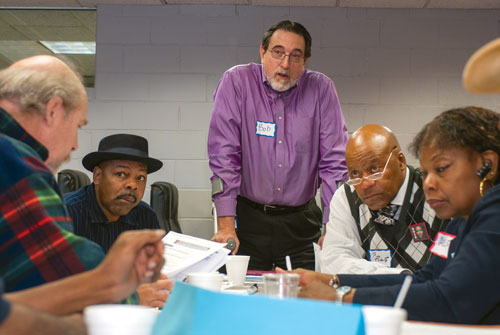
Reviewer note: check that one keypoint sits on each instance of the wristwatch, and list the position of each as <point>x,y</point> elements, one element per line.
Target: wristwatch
<point>341,291</point>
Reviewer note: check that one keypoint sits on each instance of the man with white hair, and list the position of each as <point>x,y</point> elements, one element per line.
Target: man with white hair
<point>42,105</point>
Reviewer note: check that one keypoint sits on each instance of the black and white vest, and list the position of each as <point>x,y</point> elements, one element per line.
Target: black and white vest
<point>397,238</point>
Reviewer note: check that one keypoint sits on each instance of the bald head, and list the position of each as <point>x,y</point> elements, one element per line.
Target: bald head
<point>41,62</point>
<point>373,135</point>
<point>370,149</point>
<point>48,63</point>
<point>33,81</point>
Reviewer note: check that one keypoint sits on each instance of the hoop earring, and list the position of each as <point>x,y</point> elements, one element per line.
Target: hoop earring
<point>481,186</point>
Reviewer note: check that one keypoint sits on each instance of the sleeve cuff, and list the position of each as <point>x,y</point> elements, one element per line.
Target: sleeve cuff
<point>225,207</point>
<point>326,215</point>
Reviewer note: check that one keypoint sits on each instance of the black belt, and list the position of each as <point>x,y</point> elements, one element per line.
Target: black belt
<point>273,209</point>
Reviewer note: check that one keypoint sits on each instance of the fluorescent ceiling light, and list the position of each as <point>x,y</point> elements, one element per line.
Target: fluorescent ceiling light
<point>79,48</point>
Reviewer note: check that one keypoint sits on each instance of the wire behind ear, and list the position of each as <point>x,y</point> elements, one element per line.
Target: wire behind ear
<point>483,170</point>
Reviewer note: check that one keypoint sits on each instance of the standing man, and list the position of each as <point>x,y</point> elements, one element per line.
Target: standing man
<point>42,105</point>
<point>277,133</point>
<point>113,203</point>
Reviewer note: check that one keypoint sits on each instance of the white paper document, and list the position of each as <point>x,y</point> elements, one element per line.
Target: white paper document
<point>184,254</point>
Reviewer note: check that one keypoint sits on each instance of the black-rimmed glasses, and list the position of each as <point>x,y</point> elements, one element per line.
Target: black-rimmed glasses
<point>280,54</point>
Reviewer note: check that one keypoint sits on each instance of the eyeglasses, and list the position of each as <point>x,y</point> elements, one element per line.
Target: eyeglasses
<point>372,177</point>
<point>279,54</point>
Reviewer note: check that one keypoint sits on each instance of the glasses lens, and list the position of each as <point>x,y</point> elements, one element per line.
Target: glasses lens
<point>278,53</point>
<point>353,182</point>
<point>375,176</point>
<point>296,58</point>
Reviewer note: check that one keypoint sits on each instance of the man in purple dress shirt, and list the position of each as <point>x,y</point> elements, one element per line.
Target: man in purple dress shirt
<point>277,133</point>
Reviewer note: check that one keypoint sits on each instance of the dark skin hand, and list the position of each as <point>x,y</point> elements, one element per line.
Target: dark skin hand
<point>314,285</point>
<point>318,290</point>
<point>308,276</point>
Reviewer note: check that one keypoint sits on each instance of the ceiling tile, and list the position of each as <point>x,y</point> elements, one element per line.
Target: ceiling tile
<point>7,32</point>
<point>15,50</point>
<point>40,3</point>
<point>87,18</point>
<point>57,34</point>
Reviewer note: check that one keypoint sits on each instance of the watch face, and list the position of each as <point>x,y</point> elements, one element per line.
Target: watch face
<point>344,289</point>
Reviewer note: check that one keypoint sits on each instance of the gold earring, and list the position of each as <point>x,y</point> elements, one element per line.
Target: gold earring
<point>481,186</point>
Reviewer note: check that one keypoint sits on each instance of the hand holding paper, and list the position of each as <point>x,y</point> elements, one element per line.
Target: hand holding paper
<point>184,254</point>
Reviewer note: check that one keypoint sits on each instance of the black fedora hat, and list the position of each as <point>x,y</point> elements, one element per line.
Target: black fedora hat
<point>122,147</point>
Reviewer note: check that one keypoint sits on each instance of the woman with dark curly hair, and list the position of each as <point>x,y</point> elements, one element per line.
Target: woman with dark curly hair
<point>459,156</point>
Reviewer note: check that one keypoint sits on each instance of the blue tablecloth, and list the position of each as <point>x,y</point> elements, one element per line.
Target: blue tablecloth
<point>192,311</point>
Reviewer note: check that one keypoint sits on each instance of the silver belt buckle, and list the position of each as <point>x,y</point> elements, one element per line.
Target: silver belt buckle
<point>268,206</point>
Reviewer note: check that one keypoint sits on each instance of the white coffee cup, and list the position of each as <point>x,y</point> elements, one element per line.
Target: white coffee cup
<point>281,285</point>
<point>119,319</point>
<point>236,268</point>
<point>383,320</point>
<point>207,280</point>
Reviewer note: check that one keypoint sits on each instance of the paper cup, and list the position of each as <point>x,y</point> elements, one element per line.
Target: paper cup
<point>383,320</point>
<point>207,280</point>
<point>236,268</point>
<point>281,285</point>
<point>119,319</point>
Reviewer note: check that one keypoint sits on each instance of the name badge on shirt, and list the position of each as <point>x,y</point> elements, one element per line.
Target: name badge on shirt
<point>441,244</point>
<point>382,256</point>
<point>265,128</point>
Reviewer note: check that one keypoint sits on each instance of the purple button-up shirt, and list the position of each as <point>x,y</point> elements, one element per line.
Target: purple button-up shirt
<point>308,144</point>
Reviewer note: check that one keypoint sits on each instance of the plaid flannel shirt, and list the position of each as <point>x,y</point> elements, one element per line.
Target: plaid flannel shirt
<point>37,244</point>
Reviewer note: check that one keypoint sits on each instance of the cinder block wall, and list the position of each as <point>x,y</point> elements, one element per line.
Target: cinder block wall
<point>157,68</point>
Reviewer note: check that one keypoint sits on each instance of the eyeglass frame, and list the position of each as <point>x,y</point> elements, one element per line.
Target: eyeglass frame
<point>372,177</point>
<point>290,55</point>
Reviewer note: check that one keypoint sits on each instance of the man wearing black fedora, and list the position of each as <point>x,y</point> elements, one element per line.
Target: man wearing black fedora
<point>112,203</point>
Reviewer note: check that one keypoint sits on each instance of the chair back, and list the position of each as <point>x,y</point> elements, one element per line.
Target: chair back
<point>165,202</point>
<point>71,180</point>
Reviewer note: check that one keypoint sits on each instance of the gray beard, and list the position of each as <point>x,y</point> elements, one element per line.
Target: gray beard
<point>278,86</point>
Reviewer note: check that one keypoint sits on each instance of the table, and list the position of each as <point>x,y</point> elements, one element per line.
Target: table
<point>430,328</point>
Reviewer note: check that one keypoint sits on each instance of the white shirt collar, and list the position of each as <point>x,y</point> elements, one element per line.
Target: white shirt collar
<point>400,197</point>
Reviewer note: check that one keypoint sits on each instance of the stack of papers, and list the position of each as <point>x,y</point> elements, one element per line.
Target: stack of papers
<point>184,254</point>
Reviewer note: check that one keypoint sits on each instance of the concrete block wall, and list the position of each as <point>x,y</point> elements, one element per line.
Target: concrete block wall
<point>158,66</point>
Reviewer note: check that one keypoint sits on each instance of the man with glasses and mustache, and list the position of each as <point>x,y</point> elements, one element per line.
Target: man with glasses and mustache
<point>277,133</point>
<point>373,217</point>
<point>112,203</point>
